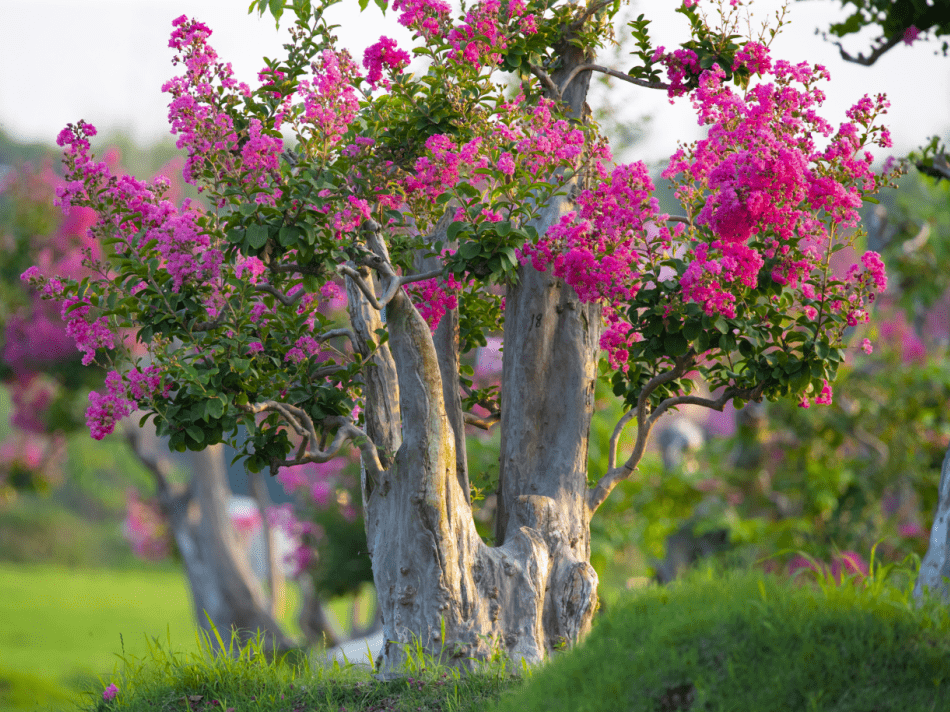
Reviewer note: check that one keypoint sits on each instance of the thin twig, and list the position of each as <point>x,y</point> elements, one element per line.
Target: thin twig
<point>281,297</point>
<point>871,58</point>
<point>610,72</point>
<point>579,22</point>
<point>309,451</point>
<point>645,424</point>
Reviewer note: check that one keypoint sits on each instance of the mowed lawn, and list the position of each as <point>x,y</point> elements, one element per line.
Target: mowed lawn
<point>61,627</point>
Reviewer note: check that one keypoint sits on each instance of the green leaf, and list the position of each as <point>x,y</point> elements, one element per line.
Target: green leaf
<point>214,408</point>
<point>691,329</point>
<point>455,228</point>
<point>721,325</point>
<point>288,235</point>
<point>675,344</point>
<point>468,250</point>
<point>257,235</point>
<point>196,433</point>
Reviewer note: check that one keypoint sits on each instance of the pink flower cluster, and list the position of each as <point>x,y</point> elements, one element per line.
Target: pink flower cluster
<point>533,141</point>
<point>682,65</point>
<point>441,168</point>
<point>304,348</point>
<point>184,247</point>
<point>89,336</point>
<point>120,398</point>
<point>484,34</point>
<point>602,250</point>
<point>424,16</point>
<point>385,55</point>
<point>823,398</point>
<point>198,112</point>
<point>541,142</point>
<point>330,103</point>
<point>126,206</point>
<point>758,181</point>
<point>433,297</point>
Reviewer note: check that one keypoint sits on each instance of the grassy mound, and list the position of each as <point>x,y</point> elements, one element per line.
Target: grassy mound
<point>745,641</point>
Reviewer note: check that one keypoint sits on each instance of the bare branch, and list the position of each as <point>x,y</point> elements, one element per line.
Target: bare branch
<point>679,219</point>
<point>333,333</point>
<point>871,58</point>
<point>281,297</point>
<point>361,284</point>
<point>615,437</point>
<point>483,423</point>
<point>547,81</point>
<point>645,424</point>
<point>408,279</point>
<point>610,72</point>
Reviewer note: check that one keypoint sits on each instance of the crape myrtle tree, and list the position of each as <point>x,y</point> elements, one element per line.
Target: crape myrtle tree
<point>449,208</point>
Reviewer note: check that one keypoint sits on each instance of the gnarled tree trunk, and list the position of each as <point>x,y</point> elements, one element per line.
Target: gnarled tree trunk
<point>439,585</point>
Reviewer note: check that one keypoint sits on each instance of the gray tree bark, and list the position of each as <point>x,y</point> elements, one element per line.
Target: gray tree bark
<point>935,567</point>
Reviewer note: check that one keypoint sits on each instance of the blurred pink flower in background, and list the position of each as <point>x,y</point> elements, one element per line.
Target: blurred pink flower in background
<point>488,361</point>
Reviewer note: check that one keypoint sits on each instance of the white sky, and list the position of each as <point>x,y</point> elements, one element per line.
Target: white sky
<point>105,61</point>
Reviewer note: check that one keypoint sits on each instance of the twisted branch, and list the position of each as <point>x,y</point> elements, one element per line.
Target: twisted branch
<point>310,451</point>
<point>645,423</point>
<point>546,81</point>
<point>871,58</point>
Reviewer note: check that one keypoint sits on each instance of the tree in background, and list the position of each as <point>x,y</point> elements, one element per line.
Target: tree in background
<point>451,211</point>
<point>49,387</point>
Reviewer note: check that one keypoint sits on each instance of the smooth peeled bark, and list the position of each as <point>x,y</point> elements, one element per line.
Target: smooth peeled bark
<point>438,584</point>
<point>935,567</point>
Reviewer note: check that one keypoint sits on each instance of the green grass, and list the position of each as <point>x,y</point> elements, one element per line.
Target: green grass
<point>715,641</point>
<point>748,642</point>
<point>61,626</point>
